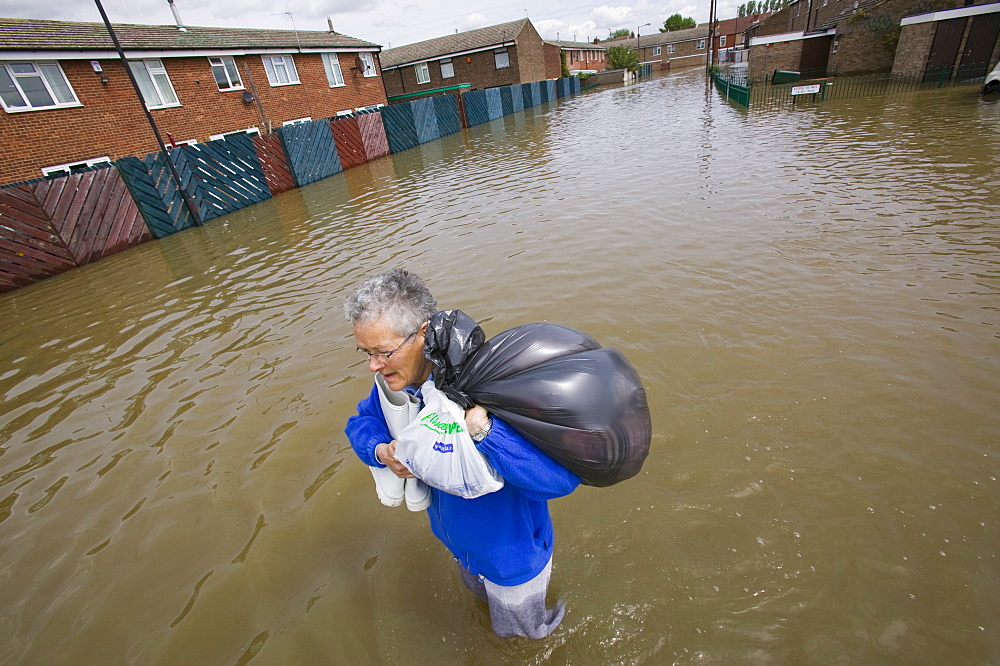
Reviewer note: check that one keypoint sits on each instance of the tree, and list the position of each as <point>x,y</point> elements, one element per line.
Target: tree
<point>621,57</point>
<point>620,32</point>
<point>743,10</point>
<point>562,63</point>
<point>678,22</point>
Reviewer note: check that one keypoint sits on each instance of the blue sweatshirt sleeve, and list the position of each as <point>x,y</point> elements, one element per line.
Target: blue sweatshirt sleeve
<point>367,429</point>
<point>522,464</point>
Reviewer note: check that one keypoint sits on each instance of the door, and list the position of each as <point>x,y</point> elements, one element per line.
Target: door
<point>944,50</point>
<point>979,46</point>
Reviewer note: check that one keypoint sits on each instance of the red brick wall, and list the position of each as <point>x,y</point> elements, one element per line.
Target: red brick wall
<point>530,56</point>
<point>766,58</point>
<point>111,121</point>
<point>553,62</point>
<point>478,69</point>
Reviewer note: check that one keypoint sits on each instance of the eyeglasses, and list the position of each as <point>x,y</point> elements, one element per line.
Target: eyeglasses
<point>385,356</point>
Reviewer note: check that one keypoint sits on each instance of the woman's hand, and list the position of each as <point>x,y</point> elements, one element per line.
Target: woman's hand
<point>385,453</point>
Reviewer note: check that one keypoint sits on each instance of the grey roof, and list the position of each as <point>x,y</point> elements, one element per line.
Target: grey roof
<point>457,43</point>
<point>42,35</point>
<point>672,37</point>
<point>577,45</point>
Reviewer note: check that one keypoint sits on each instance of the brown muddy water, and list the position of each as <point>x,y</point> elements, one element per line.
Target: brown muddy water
<point>810,296</point>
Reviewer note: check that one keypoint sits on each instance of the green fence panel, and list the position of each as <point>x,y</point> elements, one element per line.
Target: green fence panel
<point>400,129</point>
<point>477,109</point>
<point>222,176</point>
<point>446,110</point>
<point>506,100</point>
<point>155,192</point>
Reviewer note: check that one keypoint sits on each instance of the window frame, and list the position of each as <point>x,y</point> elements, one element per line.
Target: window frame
<point>700,44</point>
<point>671,49</point>
<point>55,169</point>
<point>497,53</point>
<point>368,60</point>
<point>297,121</point>
<point>151,71</point>
<point>422,68</point>
<point>334,72</point>
<point>46,83</point>
<point>722,41</point>
<point>238,85</point>
<point>249,130</point>
<point>272,72</point>
<point>656,50</point>
<point>451,68</point>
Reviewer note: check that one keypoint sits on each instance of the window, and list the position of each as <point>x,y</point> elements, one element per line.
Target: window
<point>423,74</point>
<point>225,73</point>
<point>280,70</point>
<point>670,48</point>
<point>154,83</point>
<point>447,69</point>
<point>836,44</point>
<point>297,121</point>
<point>73,167</point>
<point>332,66</point>
<point>25,86</point>
<point>701,44</point>
<point>369,64</point>
<point>722,41</point>
<point>249,130</point>
<point>502,58</point>
<point>656,50</point>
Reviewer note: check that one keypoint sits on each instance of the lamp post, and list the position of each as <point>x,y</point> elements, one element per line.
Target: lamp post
<point>638,51</point>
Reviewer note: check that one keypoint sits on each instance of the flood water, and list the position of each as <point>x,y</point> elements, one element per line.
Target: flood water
<point>810,297</point>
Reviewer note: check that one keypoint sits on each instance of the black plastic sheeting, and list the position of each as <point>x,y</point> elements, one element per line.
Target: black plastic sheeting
<point>580,403</point>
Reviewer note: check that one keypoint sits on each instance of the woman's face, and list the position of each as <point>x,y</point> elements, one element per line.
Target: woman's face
<point>398,358</point>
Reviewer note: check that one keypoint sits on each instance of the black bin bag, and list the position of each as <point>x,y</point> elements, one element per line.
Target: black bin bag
<point>580,403</point>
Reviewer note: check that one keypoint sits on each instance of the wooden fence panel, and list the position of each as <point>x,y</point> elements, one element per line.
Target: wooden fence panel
<point>517,97</point>
<point>476,110</point>
<point>274,162</point>
<point>446,109</point>
<point>221,176</point>
<point>493,103</point>
<point>399,127</point>
<point>425,120</point>
<point>49,226</point>
<point>373,135</point>
<point>312,153</point>
<point>536,93</point>
<point>350,145</point>
<point>154,190</point>
<point>506,100</point>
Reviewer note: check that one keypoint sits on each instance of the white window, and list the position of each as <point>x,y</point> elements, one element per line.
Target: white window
<point>297,121</point>
<point>249,130</point>
<point>423,73</point>
<point>447,69</point>
<point>151,75</point>
<point>656,50</point>
<point>701,44</point>
<point>722,41</point>
<point>502,58</point>
<point>332,66</point>
<point>25,86</point>
<point>280,70</point>
<point>671,48</point>
<point>370,107</point>
<point>225,73</point>
<point>369,64</point>
<point>73,167</point>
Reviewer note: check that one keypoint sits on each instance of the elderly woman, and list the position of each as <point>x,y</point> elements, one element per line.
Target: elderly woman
<point>502,541</point>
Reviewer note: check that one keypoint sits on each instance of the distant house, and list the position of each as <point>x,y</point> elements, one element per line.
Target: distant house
<point>828,37</point>
<point>673,49</point>
<point>498,55</point>
<point>729,44</point>
<point>579,56</point>
<point>68,103</point>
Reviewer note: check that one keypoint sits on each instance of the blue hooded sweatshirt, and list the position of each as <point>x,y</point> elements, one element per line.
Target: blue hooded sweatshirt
<point>505,536</point>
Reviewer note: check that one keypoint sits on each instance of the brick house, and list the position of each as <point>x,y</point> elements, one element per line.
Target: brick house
<point>676,48</point>
<point>68,103</point>
<point>839,37</point>
<point>497,55</point>
<point>580,56</point>
<point>729,45</point>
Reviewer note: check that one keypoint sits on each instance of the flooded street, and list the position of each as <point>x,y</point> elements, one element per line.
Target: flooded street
<point>810,296</point>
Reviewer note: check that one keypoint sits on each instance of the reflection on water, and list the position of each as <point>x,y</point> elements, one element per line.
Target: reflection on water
<point>810,296</point>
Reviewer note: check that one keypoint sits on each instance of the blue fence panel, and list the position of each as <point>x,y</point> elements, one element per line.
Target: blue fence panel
<point>425,119</point>
<point>477,110</point>
<point>552,89</point>
<point>539,92</point>
<point>400,129</point>
<point>155,193</point>
<point>222,176</point>
<point>517,97</point>
<point>506,100</point>
<point>576,85</point>
<point>493,104</point>
<point>446,110</point>
<point>527,102</point>
<point>311,151</point>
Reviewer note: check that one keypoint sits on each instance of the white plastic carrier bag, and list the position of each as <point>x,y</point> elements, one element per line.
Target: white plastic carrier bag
<point>437,448</point>
<point>399,409</point>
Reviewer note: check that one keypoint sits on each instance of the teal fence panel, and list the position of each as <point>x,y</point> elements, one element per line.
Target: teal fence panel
<point>526,101</point>
<point>536,93</point>
<point>543,92</point>
<point>425,119</point>
<point>477,110</point>
<point>552,89</point>
<point>312,153</point>
<point>506,100</point>
<point>446,110</point>
<point>222,176</point>
<point>517,97</point>
<point>156,194</point>
<point>493,103</point>
<point>561,88</point>
<point>400,129</point>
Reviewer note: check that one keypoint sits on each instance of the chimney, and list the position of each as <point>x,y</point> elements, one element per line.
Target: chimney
<point>329,22</point>
<point>177,16</point>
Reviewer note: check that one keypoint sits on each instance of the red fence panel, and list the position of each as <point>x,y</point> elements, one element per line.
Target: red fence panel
<point>350,145</point>
<point>272,157</point>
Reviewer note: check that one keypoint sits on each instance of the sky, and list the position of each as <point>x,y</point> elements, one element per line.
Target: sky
<point>386,22</point>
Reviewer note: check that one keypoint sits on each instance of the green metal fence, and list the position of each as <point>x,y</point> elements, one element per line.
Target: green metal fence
<point>762,93</point>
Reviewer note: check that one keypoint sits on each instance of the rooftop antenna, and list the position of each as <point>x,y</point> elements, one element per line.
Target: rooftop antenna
<point>294,29</point>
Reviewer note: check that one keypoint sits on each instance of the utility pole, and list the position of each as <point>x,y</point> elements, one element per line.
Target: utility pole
<point>711,37</point>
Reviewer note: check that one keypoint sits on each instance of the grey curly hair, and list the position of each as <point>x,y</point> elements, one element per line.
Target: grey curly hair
<point>397,293</point>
